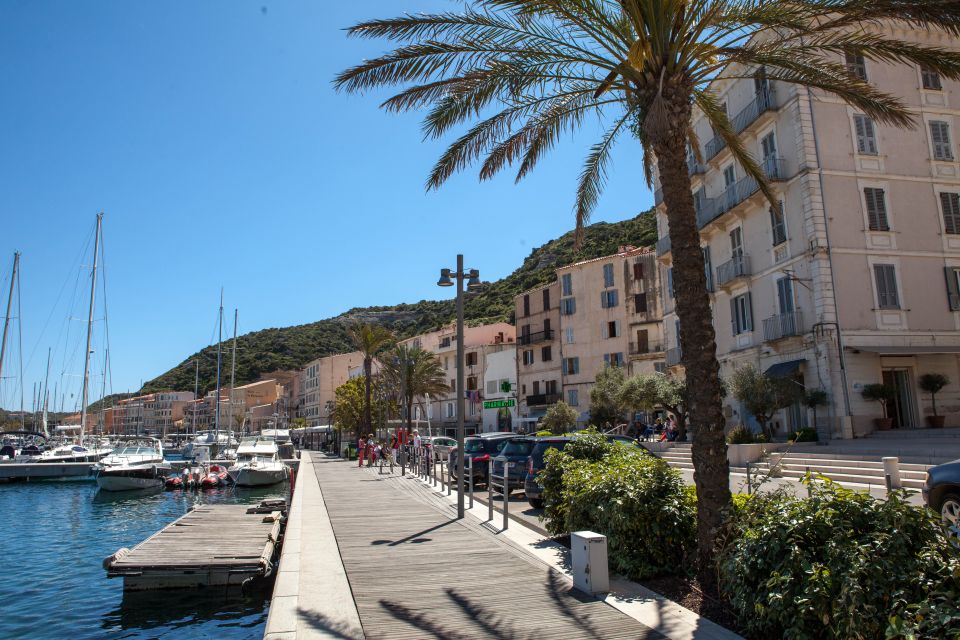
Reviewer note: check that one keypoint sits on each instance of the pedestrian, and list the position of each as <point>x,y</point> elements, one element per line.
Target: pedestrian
<point>371,443</point>
<point>361,450</point>
<point>393,446</point>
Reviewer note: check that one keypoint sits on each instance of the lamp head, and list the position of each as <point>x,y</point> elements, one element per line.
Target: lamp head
<point>474,281</point>
<point>444,280</point>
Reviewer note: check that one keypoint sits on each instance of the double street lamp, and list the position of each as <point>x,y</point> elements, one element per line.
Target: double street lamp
<point>447,278</point>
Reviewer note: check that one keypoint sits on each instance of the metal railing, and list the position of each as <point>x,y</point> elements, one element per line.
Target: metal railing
<point>640,349</point>
<point>673,356</point>
<point>732,269</point>
<point>535,337</point>
<point>712,208</point>
<point>783,325</point>
<point>694,168</point>
<point>761,103</point>
<point>504,483</point>
<point>541,399</point>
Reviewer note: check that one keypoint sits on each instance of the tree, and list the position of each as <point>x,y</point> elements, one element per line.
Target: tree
<point>559,418</point>
<point>762,395</point>
<point>648,391</point>
<point>413,373</point>
<point>350,407</point>
<point>933,383</point>
<point>523,73</point>
<point>813,399</point>
<point>370,340</point>
<point>605,403</point>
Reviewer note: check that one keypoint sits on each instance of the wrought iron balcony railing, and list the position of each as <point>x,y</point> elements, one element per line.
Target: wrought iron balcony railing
<point>738,267</point>
<point>783,325</point>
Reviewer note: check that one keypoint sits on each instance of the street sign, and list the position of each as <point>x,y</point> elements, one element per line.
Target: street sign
<point>498,404</point>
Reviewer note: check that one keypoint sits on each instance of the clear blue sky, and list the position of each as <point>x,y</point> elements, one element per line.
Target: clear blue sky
<point>210,135</point>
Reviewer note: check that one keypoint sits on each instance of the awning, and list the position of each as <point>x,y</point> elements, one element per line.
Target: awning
<point>909,351</point>
<point>784,369</point>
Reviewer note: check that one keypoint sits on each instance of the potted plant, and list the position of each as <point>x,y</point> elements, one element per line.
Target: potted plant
<point>932,383</point>
<point>884,394</point>
<point>813,399</point>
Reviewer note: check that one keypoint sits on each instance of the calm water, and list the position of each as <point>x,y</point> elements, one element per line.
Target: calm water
<point>54,538</point>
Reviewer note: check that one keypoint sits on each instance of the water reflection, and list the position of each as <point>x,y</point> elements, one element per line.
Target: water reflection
<point>173,611</point>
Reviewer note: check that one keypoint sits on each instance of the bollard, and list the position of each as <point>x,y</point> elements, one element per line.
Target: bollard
<point>470,468</point>
<point>891,469</point>
<point>506,495</point>
<point>450,476</point>
<point>433,469</point>
<point>490,492</point>
<point>749,486</point>
<point>889,479</point>
<point>403,462</point>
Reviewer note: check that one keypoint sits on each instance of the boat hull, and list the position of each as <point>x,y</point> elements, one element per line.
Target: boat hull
<point>247,477</point>
<point>109,482</point>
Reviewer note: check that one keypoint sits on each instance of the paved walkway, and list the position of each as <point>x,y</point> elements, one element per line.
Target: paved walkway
<point>417,572</point>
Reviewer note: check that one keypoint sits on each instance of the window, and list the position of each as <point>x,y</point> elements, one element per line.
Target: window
<point>611,329</point>
<point>546,354</point>
<point>940,136</point>
<point>643,341</point>
<point>638,271</point>
<point>446,363</point>
<point>471,383</point>
<point>573,397</point>
<point>568,306</point>
<point>660,367</point>
<point>670,282</point>
<point>866,136</point>
<point>778,225</point>
<point>571,366</point>
<point>568,335</point>
<point>953,287</point>
<point>528,357</point>
<point>445,342</point>
<point>613,359</point>
<point>450,410</point>
<point>608,275</point>
<point>608,299</point>
<point>453,384</point>
<point>526,305</point>
<point>640,303</point>
<point>566,283</point>
<point>492,389</point>
<point>886,278</point>
<point>741,313</point>
<point>876,209</point>
<point>471,359</point>
<point>736,243</point>
<point>546,328</point>
<point>931,79</point>
<point>785,295</point>
<point>546,299</point>
<point>729,176</point>
<point>950,203</point>
<point>708,267</point>
<point>857,66</point>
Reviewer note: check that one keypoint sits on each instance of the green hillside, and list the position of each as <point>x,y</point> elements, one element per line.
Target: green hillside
<point>292,347</point>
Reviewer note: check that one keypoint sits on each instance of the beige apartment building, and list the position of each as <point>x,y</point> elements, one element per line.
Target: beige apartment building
<point>321,377</point>
<point>154,413</point>
<point>854,276</point>
<point>537,315</point>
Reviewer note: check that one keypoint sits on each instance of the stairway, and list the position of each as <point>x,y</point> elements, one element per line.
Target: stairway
<point>676,454</point>
<point>860,470</point>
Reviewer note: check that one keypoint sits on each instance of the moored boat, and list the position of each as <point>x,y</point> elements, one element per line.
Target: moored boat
<point>136,463</point>
<point>216,476</point>
<point>258,464</point>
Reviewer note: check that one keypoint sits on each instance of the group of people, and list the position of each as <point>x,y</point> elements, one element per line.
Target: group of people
<point>660,431</point>
<point>371,450</point>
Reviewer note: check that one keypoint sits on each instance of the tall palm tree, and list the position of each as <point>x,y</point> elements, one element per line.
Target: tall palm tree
<point>414,373</point>
<point>370,340</point>
<point>524,72</point>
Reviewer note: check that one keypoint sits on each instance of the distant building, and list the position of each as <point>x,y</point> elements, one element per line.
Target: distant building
<point>321,377</point>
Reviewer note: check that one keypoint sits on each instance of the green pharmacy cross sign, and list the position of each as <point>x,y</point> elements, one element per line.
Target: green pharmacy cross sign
<point>497,404</point>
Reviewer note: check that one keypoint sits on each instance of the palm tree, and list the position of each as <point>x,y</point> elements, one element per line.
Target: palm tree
<point>414,373</point>
<point>524,72</point>
<point>370,340</point>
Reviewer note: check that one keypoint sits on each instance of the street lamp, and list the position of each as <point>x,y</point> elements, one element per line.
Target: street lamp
<point>447,278</point>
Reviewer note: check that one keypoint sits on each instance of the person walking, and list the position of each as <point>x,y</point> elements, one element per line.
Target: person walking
<point>371,443</point>
<point>361,450</point>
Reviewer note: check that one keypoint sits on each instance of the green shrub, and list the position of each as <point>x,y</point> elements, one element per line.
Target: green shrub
<point>804,435</point>
<point>545,432</point>
<point>637,501</point>
<point>741,435</point>
<point>839,565</point>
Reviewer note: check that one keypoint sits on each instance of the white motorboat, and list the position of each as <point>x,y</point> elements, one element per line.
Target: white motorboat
<point>257,464</point>
<point>224,440</point>
<point>136,463</point>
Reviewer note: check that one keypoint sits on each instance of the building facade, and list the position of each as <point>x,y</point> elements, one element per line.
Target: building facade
<point>321,377</point>
<point>538,375</point>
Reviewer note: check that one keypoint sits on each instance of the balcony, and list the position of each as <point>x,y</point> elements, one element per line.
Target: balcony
<point>760,104</point>
<point>543,399</point>
<point>663,245</point>
<point>712,208</point>
<point>694,168</point>
<point>644,349</point>
<point>731,270</point>
<point>783,325</point>
<point>674,357</point>
<point>535,337</point>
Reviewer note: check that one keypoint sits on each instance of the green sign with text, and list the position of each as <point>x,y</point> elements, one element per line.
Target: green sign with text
<point>497,404</point>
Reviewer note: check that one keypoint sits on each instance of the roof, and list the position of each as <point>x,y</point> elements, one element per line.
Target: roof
<point>626,253</point>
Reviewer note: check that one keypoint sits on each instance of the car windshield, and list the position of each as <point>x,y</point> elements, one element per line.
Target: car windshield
<point>518,448</point>
<point>473,445</point>
<point>542,447</point>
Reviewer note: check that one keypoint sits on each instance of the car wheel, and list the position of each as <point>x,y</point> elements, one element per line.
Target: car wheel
<point>950,512</point>
<point>536,503</point>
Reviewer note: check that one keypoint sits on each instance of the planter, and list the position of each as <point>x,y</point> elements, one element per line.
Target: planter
<point>884,424</point>
<point>738,455</point>
<point>936,422</point>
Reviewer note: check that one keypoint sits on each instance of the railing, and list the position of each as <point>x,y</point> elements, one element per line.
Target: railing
<point>640,349</point>
<point>694,168</point>
<point>535,337</point>
<point>673,356</point>
<point>730,270</point>
<point>712,208</point>
<point>783,325</point>
<point>663,245</point>
<point>541,399</point>
<point>760,104</point>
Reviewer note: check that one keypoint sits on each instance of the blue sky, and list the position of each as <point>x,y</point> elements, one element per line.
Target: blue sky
<point>210,135</point>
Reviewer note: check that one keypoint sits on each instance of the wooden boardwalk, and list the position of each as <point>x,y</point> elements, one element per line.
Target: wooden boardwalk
<point>210,545</point>
<point>417,572</point>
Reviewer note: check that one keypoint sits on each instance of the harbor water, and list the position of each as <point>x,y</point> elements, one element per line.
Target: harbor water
<point>55,536</point>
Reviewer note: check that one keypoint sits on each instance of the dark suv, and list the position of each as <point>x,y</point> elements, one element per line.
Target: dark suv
<point>480,449</point>
<point>941,492</point>
<point>535,463</point>
<point>515,454</point>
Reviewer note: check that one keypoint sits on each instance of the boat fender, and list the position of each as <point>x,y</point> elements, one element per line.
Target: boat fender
<point>109,560</point>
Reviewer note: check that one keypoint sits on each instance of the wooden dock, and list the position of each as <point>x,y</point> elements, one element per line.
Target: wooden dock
<point>212,545</point>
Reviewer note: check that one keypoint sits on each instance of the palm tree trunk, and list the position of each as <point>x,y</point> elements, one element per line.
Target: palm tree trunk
<point>367,411</point>
<point>697,338</point>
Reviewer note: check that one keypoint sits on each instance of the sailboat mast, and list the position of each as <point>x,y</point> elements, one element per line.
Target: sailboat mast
<point>216,419</point>
<point>233,371</point>
<point>6,324</point>
<point>46,393</point>
<point>86,355</point>
<point>196,389</point>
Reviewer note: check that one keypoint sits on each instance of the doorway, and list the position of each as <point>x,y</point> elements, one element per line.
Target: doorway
<point>903,409</point>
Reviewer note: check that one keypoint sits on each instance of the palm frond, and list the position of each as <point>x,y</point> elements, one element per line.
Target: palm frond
<point>593,176</point>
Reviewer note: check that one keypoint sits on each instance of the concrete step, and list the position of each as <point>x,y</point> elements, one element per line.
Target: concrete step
<point>849,461</point>
<point>828,469</point>
<point>851,478</point>
<point>915,434</point>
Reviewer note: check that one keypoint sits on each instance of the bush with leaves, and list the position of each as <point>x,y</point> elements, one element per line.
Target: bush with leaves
<point>807,434</point>
<point>839,564</point>
<point>636,500</point>
<point>741,435</point>
<point>560,418</point>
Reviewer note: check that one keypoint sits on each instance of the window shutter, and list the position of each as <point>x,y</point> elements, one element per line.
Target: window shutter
<point>614,298</point>
<point>606,359</point>
<point>749,315</point>
<point>950,203</point>
<point>603,331</point>
<point>876,209</point>
<point>953,289</point>
<point>708,268</point>
<point>940,136</point>
<point>616,326</point>
<point>733,317</point>
<point>564,367</point>
<point>886,286</point>
<point>866,138</point>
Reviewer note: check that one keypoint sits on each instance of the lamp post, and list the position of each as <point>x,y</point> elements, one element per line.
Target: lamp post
<point>473,281</point>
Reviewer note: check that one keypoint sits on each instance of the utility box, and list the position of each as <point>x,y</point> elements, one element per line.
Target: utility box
<point>588,555</point>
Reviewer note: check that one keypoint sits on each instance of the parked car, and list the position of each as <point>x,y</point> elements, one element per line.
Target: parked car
<point>480,449</point>
<point>515,454</point>
<point>941,492</point>
<point>535,463</point>
<point>439,445</point>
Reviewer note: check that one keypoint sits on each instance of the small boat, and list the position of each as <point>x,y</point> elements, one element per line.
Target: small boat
<point>204,439</point>
<point>136,463</point>
<point>258,464</point>
<point>216,476</point>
